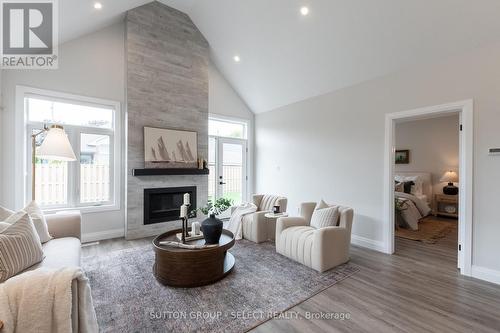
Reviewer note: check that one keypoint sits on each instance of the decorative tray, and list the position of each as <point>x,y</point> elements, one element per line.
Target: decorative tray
<point>190,238</point>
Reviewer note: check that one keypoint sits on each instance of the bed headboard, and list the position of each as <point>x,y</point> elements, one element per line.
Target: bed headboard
<point>426,178</point>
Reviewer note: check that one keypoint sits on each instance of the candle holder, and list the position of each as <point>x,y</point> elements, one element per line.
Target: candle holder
<point>184,217</point>
<point>185,233</point>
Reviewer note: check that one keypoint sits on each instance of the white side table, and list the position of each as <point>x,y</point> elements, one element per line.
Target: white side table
<point>271,223</point>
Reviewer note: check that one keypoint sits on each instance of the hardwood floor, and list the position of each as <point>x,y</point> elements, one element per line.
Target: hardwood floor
<point>418,289</point>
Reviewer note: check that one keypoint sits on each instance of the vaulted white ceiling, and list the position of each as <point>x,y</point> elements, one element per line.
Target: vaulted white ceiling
<point>78,17</point>
<point>286,57</point>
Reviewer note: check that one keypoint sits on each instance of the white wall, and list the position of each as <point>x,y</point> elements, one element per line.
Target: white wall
<point>433,145</point>
<point>332,146</point>
<point>223,100</point>
<point>93,66</point>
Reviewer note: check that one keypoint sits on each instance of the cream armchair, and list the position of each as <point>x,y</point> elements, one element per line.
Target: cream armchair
<point>320,249</point>
<point>255,226</point>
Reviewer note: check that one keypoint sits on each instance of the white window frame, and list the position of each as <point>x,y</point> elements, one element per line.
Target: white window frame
<point>230,120</point>
<point>23,161</point>
<point>245,141</point>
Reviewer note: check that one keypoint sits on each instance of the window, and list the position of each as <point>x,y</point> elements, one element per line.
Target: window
<point>95,180</point>
<point>62,113</point>
<point>51,184</point>
<point>91,129</point>
<point>227,129</point>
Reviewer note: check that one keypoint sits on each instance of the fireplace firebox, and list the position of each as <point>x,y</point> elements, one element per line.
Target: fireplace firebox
<point>163,204</point>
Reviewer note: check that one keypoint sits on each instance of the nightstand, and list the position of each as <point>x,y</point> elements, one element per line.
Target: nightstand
<point>447,205</point>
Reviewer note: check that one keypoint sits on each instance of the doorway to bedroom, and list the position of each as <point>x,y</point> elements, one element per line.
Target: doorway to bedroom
<point>426,172</point>
<point>429,184</point>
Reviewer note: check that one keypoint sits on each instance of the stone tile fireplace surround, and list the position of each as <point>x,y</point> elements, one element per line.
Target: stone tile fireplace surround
<point>167,87</point>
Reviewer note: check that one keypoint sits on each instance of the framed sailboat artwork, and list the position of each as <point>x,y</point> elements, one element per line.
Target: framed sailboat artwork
<point>170,148</point>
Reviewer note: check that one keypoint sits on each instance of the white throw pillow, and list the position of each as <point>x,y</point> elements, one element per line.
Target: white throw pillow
<point>322,204</point>
<point>20,246</point>
<point>39,221</point>
<point>5,213</point>
<point>3,226</point>
<point>37,217</point>
<point>325,217</point>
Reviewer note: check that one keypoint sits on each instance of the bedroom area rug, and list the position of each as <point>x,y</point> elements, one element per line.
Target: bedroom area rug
<point>263,284</point>
<point>431,229</point>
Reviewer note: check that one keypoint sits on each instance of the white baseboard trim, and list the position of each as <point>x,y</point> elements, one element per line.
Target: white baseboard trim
<point>486,274</point>
<point>368,243</point>
<point>101,235</point>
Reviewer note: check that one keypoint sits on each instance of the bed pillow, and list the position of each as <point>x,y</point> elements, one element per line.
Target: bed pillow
<point>325,217</point>
<point>407,186</point>
<point>20,246</point>
<point>418,186</point>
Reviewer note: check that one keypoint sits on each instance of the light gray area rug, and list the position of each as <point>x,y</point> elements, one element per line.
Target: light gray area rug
<point>127,297</point>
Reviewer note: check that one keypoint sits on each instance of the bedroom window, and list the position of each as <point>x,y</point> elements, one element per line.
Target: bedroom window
<point>91,126</point>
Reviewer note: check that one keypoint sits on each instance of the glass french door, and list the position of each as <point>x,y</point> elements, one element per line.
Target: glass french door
<point>228,169</point>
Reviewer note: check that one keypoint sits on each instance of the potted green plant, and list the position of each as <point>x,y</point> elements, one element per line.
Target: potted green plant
<point>216,207</point>
<point>212,226</point>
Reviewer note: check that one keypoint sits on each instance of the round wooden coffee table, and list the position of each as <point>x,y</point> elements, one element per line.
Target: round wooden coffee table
<point>178,267</point>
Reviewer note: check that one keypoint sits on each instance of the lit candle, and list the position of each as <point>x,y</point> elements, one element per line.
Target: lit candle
<point>184,211</point>
<point>186,199</point>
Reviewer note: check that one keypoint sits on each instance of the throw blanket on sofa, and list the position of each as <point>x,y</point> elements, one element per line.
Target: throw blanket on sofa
<point>41,301</point>
<point>235,221</point>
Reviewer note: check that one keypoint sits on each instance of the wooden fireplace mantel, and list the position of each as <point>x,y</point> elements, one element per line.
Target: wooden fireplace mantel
<point>162,171</point>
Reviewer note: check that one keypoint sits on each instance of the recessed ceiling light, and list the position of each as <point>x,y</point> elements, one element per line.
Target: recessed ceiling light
<point>97,5</point>
<point>236,58</point>
<point>304,10</point>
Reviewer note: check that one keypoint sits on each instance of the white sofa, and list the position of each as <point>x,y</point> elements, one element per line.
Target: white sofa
<point>320,249</point>
<point>255,226</point>
<point>64,250</point>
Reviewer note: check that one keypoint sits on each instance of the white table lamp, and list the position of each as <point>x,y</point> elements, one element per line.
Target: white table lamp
<point>55,146</point>
<point>450,177</point>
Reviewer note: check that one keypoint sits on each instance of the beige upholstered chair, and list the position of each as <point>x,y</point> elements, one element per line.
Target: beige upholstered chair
<point>255,226</point>
<point>320,249</point>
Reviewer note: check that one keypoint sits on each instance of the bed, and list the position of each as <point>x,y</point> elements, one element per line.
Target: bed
<point>416,202</point>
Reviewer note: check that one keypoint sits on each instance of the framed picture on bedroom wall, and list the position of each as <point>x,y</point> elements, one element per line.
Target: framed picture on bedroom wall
<point>170,148</point>
<point>403,156</point>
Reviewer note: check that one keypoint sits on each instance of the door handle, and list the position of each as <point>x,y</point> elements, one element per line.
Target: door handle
<point>222,183</point>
